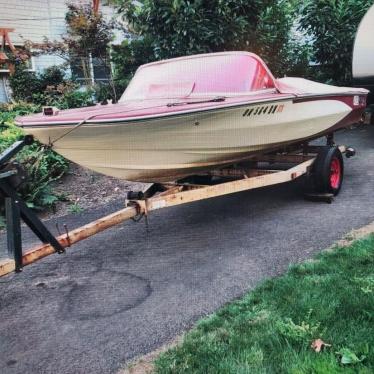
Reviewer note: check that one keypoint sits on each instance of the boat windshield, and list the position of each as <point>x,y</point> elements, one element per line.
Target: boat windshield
<point>207,75</point>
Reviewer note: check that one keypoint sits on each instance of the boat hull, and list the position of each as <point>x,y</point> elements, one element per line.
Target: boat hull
<point>170,147</point>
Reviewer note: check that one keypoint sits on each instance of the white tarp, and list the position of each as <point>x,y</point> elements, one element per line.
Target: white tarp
<point>363,52</point>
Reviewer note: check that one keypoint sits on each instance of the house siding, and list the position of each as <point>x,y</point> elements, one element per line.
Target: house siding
<point>33,20</point>
<point>3,96</point>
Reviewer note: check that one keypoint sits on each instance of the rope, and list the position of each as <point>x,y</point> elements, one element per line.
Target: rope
<point>83,121</point>
<point>79,124</point>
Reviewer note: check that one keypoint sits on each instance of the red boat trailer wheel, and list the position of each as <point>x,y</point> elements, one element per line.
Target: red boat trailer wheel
<point>336,173</point>
<point>328,170</point>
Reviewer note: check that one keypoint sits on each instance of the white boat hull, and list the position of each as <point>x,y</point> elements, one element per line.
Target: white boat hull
<point>173,146</point>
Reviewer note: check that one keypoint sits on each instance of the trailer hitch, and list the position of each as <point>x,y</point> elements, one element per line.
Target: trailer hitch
<point>350,152</point>
<point>16,209</point>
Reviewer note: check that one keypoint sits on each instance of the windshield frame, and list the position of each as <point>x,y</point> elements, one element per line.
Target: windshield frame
<point>128,94</point>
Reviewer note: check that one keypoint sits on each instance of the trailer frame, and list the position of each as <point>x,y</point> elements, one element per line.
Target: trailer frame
<point>265,170</point>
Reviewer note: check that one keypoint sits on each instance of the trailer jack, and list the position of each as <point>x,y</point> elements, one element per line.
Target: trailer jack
<point>16,209</point>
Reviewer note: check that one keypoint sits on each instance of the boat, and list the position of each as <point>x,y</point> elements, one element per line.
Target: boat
<point>180,116</point>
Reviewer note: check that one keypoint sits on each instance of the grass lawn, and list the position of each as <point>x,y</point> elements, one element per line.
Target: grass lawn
<point>270,329</point>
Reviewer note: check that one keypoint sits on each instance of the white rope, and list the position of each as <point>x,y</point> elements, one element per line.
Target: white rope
<point>83,121</point>
<point>79,124</point>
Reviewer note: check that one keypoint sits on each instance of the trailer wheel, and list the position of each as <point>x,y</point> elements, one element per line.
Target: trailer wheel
<point>328,170</point>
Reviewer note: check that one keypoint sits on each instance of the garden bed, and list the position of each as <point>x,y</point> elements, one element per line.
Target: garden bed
<point>81,189</point>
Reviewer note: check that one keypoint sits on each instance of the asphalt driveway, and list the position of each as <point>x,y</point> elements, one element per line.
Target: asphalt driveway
<point>126,291</point>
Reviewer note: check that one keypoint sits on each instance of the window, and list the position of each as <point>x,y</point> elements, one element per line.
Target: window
<point>101,69</point>
<point>90,69</point>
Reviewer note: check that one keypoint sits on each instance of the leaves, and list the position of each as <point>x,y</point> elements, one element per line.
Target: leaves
<point>75,208</point>
<point>297,332</point>
<point>88,35</point>
<point>347,357</point>
<point>42,166</point>
<point>331,26</point>
<point>87,32</point>
<point>49,199</point>
<point>365,284</point>
<point>166,29</point>
<point>48,88</point>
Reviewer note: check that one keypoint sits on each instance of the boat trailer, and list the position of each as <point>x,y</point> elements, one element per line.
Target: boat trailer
<point>262,171</point>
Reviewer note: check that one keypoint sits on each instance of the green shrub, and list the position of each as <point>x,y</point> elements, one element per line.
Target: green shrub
<point>167,29</point>
<point>48,88</point>
<point>52,76</point>
<point>8,112</point>
<point>332,26</point>
<point>105,92</point>
<point>42,165</point>
<point>75,99</point>
<point>30,87</point>
<point>24,83</point>
<point>69,100</point>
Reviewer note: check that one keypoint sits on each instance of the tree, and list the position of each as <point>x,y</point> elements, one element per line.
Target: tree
<point>183,27</point>
<point>166,29</point>
<point>331,25</point>
<point>278,43</point>
<point>87,37</point>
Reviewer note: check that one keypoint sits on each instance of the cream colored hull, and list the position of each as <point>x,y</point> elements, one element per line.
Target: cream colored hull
<point>170,147</point>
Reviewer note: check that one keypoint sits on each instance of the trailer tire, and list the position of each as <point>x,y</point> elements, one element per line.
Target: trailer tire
<point>328,170</point>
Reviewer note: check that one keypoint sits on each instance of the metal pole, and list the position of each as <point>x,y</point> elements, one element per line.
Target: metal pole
<point>15,148</point>
<point>14,234</point>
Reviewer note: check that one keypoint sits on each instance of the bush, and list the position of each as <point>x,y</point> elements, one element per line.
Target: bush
<point>52,76</point>
<point>284,51</point>
<point>105,92</point>
<point>75,99</point>
<point>48,88</point>
<point>42,165</point>
<point>24,84</point>
<point>167,29</point>
<point>332,25</point>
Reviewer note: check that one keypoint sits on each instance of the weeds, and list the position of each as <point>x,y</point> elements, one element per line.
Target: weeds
<point>43,166</point>
<point>75,208</point>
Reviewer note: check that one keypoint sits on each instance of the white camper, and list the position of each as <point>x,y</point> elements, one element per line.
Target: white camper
<point>363,54</point>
